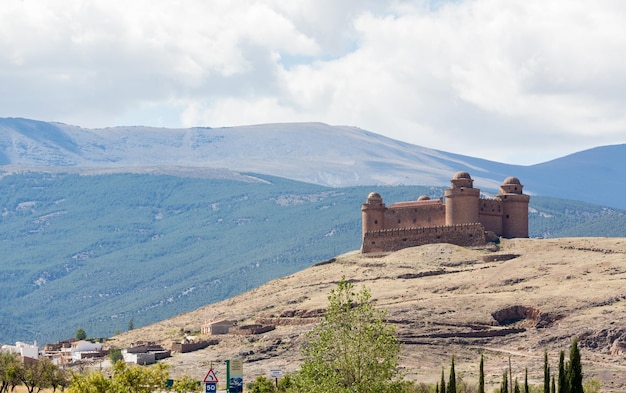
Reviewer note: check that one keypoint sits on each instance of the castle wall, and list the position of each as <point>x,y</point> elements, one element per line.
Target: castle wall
<point>415,214</point>
<point>387,240</point>
<point>490,215</point>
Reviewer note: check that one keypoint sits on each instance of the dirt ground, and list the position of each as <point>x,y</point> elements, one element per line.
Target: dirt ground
<point>511,301</point>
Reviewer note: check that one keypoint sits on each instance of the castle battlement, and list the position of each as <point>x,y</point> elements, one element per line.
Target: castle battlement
<point>463,219</point>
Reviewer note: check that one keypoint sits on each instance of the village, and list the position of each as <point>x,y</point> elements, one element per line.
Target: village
<point>73,352</point>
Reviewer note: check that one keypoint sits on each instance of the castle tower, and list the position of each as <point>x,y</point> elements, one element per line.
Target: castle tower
<point>462,200</point>
<point>373,213</point>
<point>514,208</point>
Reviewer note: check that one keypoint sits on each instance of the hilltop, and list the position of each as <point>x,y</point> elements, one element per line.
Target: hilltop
<point>516,299</point>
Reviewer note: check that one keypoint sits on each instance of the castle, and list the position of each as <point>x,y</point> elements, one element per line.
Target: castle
<point>464,219</point>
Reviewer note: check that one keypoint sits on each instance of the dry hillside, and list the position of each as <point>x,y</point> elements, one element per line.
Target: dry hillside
<point>513,300</point>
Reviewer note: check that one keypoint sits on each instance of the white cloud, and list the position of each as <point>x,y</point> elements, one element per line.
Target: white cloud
<point>518,81</point>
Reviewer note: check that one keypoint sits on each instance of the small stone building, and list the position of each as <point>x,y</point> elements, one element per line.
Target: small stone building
<point>464,218</point>
<point>221,326</point>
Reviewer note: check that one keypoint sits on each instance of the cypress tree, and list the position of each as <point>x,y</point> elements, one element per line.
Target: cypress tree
<point>575,374</point>
<point>516,388</point>
<point>481,377</point>
<point>553,385</point>
<point>452,381</point>
<point>562,374</point>
<point>526,389</point>
<point>442,388</point>
<point>546,373</point>
<point>437,388</point>
<point>504,387</point>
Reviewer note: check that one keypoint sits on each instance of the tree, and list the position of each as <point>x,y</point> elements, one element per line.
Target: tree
<point>546,373</point>
<point>452,380</point>
<point>352,349</point>
<point>504,386</point>
<point>186,384</point>
<point>115,354</point>
<point>562,374</point>
<point>575,370</point>
<point>261,385</point>
<point>10,370</point>
<point>516,388</point>
<point>481,376</point>
<point>81,334</point>
<point>37,376</point>
<point>127,379</point>
<point>442,388</point>
<point>131,324</point>
<point>526,387</point>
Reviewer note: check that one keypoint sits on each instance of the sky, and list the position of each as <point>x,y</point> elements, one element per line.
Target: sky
<point>515,81</point>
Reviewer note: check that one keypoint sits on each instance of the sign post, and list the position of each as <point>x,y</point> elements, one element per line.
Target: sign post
<point>276,374</point>
<point>210,382</point>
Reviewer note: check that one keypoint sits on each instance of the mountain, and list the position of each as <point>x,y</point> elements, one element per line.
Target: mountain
<point>509,303</point>
<point>308,152</point>
<point>98,227</point>
<point>95,251</point>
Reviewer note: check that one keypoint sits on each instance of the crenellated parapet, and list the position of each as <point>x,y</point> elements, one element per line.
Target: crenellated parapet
<point>386,240</point>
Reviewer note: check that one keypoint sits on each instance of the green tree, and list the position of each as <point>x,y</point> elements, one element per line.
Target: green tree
<point>131,324</point>
<point>125,379</point>
<point>352,349</point>
<point>261,385</point>
<point>546,373</point>
<point>92,382</point>
<point>115,354</point>
<point>526,387</point>
<point>10,370</point>
<point>504,386</point>
<point>481,376</point>
<point>38,376</point>
<point>516,388</point>
<point>562,374</point>
<point>81,334</point>
<point>452,379</point>
<point>186,384</point>
<point>285,383</point>
<point>575,370</point>
<point>442,384</point>
<point>553,389</point>
<point>138,379</point>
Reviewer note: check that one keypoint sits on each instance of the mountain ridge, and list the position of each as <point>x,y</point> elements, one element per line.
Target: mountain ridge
<point>335,156</point>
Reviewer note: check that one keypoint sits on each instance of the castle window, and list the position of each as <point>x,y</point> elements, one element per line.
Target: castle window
<point>375,221</point>
<point>398,221</point>
<point>507,216</point>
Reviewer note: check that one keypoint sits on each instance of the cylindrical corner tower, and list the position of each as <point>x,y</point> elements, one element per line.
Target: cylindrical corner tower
<point>373,213</point>
<point>462,200</point>
<point>514,208</point>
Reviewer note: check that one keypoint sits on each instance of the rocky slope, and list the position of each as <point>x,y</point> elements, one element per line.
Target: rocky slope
<point>514,300</point>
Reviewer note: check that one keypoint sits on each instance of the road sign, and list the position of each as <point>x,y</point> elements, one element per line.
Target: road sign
<point>210,387</point>
<point>210,378</point>
<point>276,373</point>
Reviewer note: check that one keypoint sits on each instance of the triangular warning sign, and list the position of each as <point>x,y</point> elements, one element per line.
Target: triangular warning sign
<point>210,377</point>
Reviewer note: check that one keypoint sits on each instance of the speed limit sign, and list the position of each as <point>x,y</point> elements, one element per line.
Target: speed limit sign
<point>210,387</point>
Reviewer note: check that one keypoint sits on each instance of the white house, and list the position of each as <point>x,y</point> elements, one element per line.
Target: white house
<point>83,349</point>
<point>26,351</point>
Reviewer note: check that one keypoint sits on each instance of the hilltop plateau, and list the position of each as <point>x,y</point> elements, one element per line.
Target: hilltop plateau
<point>515,299</point>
